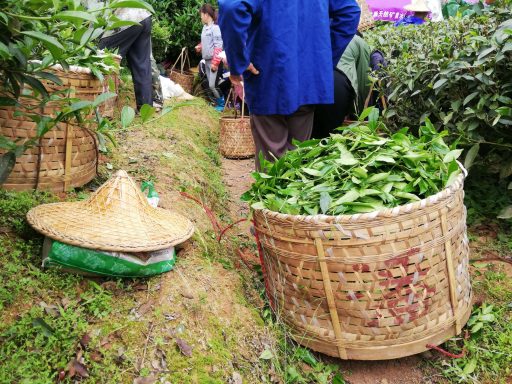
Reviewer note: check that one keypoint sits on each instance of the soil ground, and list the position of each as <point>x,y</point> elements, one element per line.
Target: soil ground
<point>203,322</point>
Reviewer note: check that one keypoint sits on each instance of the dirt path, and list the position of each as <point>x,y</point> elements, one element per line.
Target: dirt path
<point>237,178</point>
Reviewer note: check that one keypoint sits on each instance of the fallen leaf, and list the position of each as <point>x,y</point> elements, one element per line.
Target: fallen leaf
<point>171,316</point>
<point>51,310</point>
<point>65,302</point>
<point>237,378</point>
<point>144,380</point>
<point>62,375</point>
<point>184,347</point>
<point>95,356</point>
<point>85,340</point>
<point>266,354</point>
<point>179,329</point>
<point>109,285</point>
<point>187,294</point>
<point>78,368</point>
<point>45,328</point>
<point>160,354</point>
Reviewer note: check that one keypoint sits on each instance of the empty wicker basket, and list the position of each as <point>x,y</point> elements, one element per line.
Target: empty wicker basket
<point>372,286</point>
<point>183,76</point>
<point>236,140</point>
<point>66,156</point>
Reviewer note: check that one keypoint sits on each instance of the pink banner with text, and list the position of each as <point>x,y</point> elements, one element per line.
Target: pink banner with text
<point>388,10</point>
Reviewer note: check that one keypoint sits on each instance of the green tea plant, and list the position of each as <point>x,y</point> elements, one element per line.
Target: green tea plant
<point>457,74</point>
<point>358,169</point>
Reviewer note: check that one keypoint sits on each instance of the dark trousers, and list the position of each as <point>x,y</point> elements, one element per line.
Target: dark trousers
<point>134,43</point>
<point>273,134</point>
<point>331,116</point>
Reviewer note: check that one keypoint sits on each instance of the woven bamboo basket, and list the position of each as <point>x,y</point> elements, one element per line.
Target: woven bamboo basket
<point>372,286</point>
<point>183,76</point>
<point>236,140</point>
<point>66,157</point>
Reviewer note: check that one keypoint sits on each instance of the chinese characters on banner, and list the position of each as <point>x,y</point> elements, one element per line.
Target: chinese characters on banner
<point>388,10</point>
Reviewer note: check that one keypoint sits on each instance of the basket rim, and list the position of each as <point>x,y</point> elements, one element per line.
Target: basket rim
<point>234,118</point>
<point>72,68</point>
<point>184,72</point>
<point>407,208</point>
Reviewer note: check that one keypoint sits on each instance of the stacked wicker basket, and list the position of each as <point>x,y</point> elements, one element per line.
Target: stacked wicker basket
<point>371,286</point>
<point>67,155</point>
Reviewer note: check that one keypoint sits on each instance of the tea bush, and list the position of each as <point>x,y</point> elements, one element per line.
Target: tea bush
<point>457,74</point>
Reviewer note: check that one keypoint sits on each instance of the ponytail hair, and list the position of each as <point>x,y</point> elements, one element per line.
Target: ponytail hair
<point>208,9</point>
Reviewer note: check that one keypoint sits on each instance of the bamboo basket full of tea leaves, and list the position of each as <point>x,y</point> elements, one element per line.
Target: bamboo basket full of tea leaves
<point>363,239</point>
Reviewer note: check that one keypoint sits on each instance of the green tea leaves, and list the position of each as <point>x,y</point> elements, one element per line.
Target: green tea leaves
<point>357,171</point>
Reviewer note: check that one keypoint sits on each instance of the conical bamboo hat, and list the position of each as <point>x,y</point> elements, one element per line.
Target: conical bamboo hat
<point>117,217</point>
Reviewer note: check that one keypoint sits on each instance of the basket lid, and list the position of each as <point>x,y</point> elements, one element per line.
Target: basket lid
<point>117,217</point>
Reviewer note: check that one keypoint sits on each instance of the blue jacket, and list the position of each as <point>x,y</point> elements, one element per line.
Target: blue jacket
<point>295,44</point>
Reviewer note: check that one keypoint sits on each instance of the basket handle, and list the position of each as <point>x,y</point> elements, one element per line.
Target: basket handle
<point>243,101</point>
<point>227,99</point>
<point>182,59</point>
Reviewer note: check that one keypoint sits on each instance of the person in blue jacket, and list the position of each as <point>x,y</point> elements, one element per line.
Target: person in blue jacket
<point>286,52</point>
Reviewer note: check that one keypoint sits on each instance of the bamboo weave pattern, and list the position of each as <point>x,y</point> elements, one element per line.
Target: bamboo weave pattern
<point>371,286</point>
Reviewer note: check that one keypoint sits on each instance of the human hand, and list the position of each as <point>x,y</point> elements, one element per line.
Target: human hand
<point>213,68</point>
<point>251,68</point>
<point>237,79</point>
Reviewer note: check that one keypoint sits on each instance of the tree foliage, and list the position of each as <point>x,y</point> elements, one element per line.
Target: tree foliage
<point>177,25</point>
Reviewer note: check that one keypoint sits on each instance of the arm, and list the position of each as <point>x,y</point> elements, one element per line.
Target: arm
<point>216,59</point>
<point>235,17</point>
<point>344,16</point>
<point>217,38</point>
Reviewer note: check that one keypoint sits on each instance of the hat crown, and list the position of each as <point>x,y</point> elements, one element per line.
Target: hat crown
<point>120,192</point>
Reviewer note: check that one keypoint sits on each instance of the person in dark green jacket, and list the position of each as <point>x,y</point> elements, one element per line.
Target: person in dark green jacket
<point>351,88</point>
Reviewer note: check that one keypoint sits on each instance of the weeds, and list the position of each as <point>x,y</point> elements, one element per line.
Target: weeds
<point>39,345</point>
<point>488,356</point>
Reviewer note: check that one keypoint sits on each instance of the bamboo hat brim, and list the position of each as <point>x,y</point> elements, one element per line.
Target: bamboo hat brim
<point>117,217</point>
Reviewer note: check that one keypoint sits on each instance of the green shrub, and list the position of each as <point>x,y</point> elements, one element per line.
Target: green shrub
<point>180,20</point>
<point>160,33</point>
<point>457,74</point>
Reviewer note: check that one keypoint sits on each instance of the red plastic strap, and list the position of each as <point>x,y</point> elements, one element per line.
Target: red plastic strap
<point>209,213</point>
<point>449,354</point>
<point>219,238</point>
<point>221,233</point>
<point>263,270</point>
